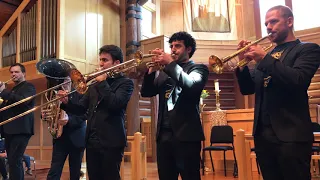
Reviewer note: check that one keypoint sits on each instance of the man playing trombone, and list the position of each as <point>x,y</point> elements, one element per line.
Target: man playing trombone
<point>282,125</point>
<point>106,102</point>
<point>17,133</point>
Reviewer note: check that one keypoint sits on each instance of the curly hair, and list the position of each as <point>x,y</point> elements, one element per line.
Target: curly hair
<point>188,40</point>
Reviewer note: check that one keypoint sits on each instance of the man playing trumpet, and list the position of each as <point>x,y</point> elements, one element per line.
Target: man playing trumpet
<point>17,133</point>
<point>179,130</point>
<point>282,125</point>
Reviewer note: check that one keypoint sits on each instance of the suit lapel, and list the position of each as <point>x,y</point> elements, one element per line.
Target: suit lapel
<point>176,90</point>
<point>286,52</point>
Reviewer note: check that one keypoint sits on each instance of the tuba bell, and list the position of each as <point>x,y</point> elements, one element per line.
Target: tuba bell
<point>56,72</point>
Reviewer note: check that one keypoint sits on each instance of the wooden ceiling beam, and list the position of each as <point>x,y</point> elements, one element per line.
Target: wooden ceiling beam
<point>9,3</point>
<point>13,17</point>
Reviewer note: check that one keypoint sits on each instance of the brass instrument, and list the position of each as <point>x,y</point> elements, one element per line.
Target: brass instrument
<point>1,100</point>
<point>79,81</point>
<point>56,72</point>
<point>217,64</point>
<point>148,63</point>
<point>51,114</point>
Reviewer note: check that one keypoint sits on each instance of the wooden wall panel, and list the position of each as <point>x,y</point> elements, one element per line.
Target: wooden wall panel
<point>91,31</point>
<point>108,22</point>
<point>171,17</point>
<point>75,29</point>
<point>88,25</point>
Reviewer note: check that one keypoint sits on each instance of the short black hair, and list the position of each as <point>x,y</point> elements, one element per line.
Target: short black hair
<point>188,40</point>
<point>286,12</point>
<point>115,52</point>
<point>23,69</point>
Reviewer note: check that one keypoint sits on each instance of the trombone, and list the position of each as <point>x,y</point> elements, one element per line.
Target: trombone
<point>217,64</point>
<point>78,80</point>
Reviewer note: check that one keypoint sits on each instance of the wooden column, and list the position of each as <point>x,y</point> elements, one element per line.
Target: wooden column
<point>133,34</point>
<point>1,51</point>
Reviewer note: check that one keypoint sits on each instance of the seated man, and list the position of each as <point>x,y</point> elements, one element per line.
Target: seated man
<point>26,159</point>
<point>3,156</point>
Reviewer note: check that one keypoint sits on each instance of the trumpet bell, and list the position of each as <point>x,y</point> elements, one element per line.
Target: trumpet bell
<point>216,64</point>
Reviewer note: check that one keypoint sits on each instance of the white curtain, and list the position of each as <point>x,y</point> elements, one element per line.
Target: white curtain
<point>210,19</point>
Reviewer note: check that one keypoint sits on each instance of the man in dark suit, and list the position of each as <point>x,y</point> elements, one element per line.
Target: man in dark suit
<point>71,143</point>
<point>106,102</point>
<point>179,130</point>
<point>282,126</point>
<point>18,132</point>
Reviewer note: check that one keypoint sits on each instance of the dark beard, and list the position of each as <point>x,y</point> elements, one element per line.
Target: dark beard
<point>182,58</point>
<point>281,37</point>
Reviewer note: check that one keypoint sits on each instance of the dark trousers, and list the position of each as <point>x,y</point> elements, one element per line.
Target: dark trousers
<point>175,157</point>
<point>61,149</point>
<point>3,169</point>
<point>15,146</point>
<point>104,163</point>
<point>282,160</point>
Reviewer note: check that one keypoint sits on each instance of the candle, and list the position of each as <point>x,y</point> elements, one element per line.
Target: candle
<point>216,85</point>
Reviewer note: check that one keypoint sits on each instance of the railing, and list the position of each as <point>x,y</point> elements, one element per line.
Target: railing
<point>138,157</point>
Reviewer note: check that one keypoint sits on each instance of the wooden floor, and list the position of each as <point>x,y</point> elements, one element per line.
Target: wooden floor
<point>152,174</point>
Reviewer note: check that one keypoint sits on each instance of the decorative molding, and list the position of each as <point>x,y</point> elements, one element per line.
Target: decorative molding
<point>71,58</point>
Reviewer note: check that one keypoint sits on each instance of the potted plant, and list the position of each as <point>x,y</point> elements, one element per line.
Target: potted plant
<point>204,95</point>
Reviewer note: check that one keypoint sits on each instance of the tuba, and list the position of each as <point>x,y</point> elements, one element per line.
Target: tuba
<point>56,72</point>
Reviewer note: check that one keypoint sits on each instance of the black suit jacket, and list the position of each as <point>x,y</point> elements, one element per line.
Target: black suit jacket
<point>287,98</point>
<point>106,104</point>
<point>74,131</point>
<point>25,124</point>
<point>190,81</point>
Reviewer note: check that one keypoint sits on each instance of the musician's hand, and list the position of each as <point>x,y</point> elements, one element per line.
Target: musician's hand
<point>3,155</point>
<point>152,64</point>
<point>241,45</point>
<point>63,93</point>
<point>63,121</point>
<point>102,77</point>
<point>256,53</point>
<point>163,58</point>
<point>2,86</point>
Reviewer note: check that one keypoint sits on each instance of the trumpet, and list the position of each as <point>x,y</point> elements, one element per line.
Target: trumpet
<point>1,100</point>
<point>217,64</point>
<point>148,63</point>
<point>79,82</point>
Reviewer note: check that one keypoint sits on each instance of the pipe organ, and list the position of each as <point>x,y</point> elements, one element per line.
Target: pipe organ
<point>9,47</point>
<point>48,29</point>
<point>28,35</point>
